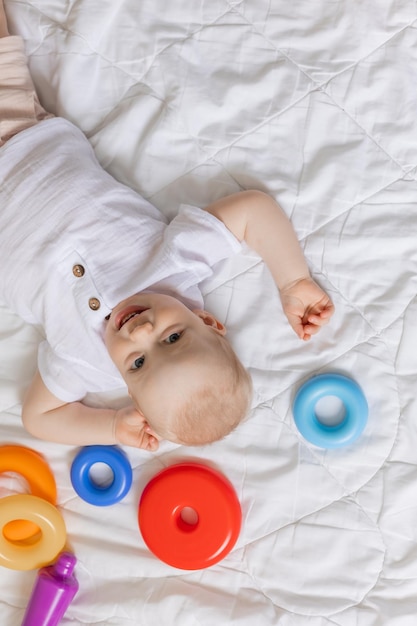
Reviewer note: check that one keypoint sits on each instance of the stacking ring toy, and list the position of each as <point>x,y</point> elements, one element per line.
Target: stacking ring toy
<point>33,467</point>
<point>216,522</point>
<point>354,402</point>
<point>89,490</point>
<point>33,553</point>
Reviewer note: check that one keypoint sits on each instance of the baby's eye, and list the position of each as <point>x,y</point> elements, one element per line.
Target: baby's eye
<point>173,338</point>
<point>138,363</point>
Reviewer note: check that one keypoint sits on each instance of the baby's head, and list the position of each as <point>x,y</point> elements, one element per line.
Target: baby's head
<point>181,371</point>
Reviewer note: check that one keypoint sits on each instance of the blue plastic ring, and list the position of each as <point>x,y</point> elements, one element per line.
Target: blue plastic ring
<point>90,491</point>
<point>355,405</point>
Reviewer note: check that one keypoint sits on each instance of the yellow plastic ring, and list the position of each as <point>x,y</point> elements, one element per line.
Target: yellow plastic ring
<point>33,467</point>
<point>34,552</point>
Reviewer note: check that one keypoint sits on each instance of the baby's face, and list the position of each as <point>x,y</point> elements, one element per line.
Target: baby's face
<point>160,348</point>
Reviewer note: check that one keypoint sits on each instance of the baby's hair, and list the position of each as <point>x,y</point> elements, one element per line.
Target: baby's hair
<point>212,411</point>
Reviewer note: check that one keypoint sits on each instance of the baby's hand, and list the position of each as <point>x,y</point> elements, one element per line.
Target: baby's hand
<point>132,429</point>
<point>307,307</point>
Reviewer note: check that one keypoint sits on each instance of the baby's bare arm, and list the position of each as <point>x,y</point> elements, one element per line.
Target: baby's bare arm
<point>47,417</point>
<point>256,218</point>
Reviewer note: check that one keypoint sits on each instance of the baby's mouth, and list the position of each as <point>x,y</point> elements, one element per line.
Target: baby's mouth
<point>124,316</point>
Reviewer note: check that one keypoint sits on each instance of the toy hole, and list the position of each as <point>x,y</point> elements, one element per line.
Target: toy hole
<point>101,475</point>
<point>12,483</point>
<point>33,538</point>
<point>188,519</point>
<point>330,411</point>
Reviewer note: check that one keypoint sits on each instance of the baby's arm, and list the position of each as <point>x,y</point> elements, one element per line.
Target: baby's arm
<point>47,417</point>
<point>256,218</point>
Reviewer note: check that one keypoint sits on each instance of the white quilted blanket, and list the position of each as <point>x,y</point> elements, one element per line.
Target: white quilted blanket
<point>315,103</point>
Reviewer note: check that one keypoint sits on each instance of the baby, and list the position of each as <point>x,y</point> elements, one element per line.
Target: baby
<point>115,288</point>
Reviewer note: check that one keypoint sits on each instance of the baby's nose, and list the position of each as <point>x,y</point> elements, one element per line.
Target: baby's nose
<point>143,328</point>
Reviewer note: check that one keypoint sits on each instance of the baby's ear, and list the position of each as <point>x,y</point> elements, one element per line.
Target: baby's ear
<point>210,320</point>
<point>151,432</point>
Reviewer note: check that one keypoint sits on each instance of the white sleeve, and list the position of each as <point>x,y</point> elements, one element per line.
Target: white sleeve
<point>60,375</point>
<point>196,240</point>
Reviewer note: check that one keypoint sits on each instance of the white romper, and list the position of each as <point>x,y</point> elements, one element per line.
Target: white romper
<point>74,242</point>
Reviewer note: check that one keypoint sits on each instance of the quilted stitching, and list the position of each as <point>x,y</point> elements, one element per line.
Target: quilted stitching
<point>314,103</point>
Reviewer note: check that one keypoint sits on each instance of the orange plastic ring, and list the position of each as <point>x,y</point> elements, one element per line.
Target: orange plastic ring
<point>210,497</point>
<point>33,553</point>
<point>33,467</point>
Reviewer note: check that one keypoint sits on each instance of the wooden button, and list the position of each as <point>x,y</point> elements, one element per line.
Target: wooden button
<point>78,270</point>
<point>94,304</point>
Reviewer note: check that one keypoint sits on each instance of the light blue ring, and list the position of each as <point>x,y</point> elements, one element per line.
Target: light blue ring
<point>93,493</point>
<point>353,399</point>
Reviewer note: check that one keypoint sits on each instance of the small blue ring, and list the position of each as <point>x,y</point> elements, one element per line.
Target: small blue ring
<point>353,399</point>
<point>93,493</point>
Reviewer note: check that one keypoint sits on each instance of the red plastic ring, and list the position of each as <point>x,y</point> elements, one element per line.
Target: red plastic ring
<point>174,539</point>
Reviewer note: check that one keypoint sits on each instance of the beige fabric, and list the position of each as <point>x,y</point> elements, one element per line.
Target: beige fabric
<point>19,104</point>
